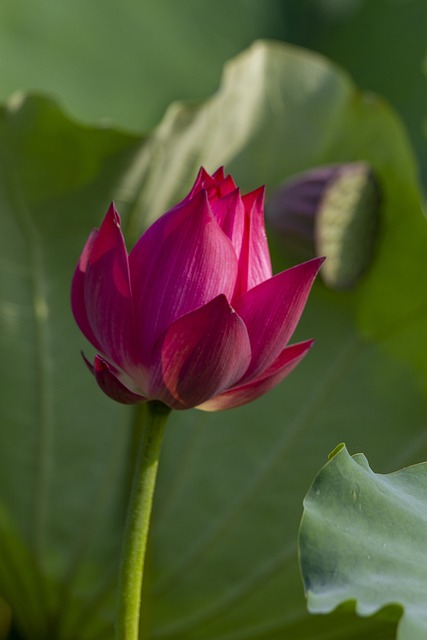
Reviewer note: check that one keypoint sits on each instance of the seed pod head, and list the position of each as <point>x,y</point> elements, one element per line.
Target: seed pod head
<point>331,211</point>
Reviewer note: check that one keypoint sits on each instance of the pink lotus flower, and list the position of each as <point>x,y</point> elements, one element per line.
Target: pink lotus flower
<point>193,316</point>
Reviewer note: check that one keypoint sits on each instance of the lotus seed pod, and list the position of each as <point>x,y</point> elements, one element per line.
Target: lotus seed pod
<point>346,225</point>
<point>331,211</point>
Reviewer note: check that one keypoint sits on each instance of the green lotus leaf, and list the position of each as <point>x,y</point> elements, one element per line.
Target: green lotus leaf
<point>363,539</point>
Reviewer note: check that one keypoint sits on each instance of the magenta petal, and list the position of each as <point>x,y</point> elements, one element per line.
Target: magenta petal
<point>219,175</point>
<point>110,383</point>
<point>259,254</point>
<point>102,288</point>
<point>203,181</point>
<point>202,354</point>
<point>281,367</point>
<point>78,304</point>
<point>182,261</point>
<point>271,312</point>
<point>230,215</point>
<point>254,259</point>
<point>226,186</point>
<point>216,186</point>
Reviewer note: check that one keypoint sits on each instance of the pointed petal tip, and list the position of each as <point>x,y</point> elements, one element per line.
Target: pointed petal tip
<point>204,180</point>
<point>258,193</point>
<point>311,266</point>
<point>307,344</point>
<point>203,175</point>
<point>219,174</point>
<point>221,303</point>
<point>108,381</point>
<point>199,205</point>
<point>108,235</point>
<point>318,260</point>
<point>197,197</point>
<point>112,216</point>
<point>316,263</point>
<point>254,199</point>
<point>88,363</point>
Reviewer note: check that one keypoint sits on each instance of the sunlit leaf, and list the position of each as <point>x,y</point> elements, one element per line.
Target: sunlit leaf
<point>125,66</point>
<point>63,450</point>
<point>363,539</point>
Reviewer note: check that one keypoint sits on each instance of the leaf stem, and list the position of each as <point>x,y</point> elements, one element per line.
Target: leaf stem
<point>153,416</point>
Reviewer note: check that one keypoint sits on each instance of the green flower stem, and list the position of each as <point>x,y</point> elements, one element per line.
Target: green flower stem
<point>155,415</point>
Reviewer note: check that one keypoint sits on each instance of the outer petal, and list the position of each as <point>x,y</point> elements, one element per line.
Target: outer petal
<point>271,312</point>
<point>230,214</point>
<point>202,354</point>
<point>254,258</point>
<point>78,304</point>
<point>182,261</point>
<point>101,292</point>
<point>110,383</point>
<point>283,365</point>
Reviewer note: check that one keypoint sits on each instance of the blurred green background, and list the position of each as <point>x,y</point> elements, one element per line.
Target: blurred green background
<point>124,61</point>
<point>223,562</point>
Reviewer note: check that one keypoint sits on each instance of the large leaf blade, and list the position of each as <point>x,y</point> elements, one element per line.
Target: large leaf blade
<point>362,540</point>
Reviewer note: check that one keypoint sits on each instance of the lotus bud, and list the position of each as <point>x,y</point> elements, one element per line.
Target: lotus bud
<point>192,316</point>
